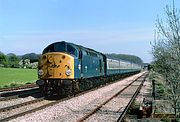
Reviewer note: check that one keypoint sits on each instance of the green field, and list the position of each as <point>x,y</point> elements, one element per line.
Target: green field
<point>10,77</point>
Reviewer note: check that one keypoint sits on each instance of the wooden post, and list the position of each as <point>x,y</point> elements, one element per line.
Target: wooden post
<point>153,89</point>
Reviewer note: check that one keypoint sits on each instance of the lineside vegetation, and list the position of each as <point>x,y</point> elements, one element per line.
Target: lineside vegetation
<point>166,53</point>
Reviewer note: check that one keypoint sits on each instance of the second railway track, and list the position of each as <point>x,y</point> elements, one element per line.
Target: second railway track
<point>18,88</point>
<point>10,112</point>
<point>105,111</point>
<point>8,95</point>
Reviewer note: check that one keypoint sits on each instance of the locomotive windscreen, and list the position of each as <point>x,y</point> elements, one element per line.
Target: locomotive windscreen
<point>55,47</point>
<point>61,47</point>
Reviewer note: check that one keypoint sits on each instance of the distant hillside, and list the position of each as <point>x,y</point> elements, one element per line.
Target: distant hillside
<point>32,56</point>
<point>132,58</point>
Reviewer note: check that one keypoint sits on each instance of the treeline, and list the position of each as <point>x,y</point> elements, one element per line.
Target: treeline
<point>131,58</point>
<point>11,60</point>
<point>30,60</point>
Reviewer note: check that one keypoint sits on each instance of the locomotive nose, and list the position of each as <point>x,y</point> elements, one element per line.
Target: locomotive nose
<point>56,65</point>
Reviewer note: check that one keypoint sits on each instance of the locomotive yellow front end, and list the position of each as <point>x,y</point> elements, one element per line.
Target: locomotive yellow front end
<point>56,70</point>
<point>56,65</point>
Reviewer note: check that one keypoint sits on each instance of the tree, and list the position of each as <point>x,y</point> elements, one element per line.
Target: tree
<point>13,60</point>
<point>27,63</point>
<point>3,60</point>
<point>166,53</point>
<point>32,56</point>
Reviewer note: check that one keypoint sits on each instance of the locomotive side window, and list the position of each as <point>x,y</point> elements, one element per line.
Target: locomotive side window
<point>92,54</point>
<point>84,53</point>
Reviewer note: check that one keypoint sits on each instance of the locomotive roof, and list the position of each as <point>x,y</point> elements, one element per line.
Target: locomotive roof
<point>91,50</point>
<point>81,47</point>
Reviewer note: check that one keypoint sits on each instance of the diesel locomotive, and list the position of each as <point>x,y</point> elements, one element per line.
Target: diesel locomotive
<point>66,69</point>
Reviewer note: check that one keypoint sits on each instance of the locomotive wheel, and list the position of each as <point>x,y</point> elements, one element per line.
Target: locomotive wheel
<point>68,88</point>
<point>76,88</point>
<point>68,91</point>
<point>49,93</point>
<point>89,84</point>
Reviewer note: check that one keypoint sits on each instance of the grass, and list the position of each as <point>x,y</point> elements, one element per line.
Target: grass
<point>11,77</point>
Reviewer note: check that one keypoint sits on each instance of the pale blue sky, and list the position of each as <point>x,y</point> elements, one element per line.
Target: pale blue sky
<point>108,26</point>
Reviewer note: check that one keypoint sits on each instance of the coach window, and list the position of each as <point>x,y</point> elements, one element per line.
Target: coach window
<point>71,50</point>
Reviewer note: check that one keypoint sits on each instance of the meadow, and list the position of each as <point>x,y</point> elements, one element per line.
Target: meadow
<point>11,77</point>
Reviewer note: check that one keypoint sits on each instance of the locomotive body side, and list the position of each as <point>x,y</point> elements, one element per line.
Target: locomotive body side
<point>92,64</point>
<point>63,66</point>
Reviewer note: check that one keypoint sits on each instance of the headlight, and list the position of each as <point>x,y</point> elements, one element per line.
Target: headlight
<point>40,82</point>
<point>68,72</point>
<point>40,72</point>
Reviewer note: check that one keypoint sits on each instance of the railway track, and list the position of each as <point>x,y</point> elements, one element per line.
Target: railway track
<point>41,104</point>
<point>8,95</point>
<point>104,112</point>
<point>14,111</point>
<point>12,100</point>
<point>18,88</point>
<point>125,111</point>
<point>25,109</point>
<point>48,103</point>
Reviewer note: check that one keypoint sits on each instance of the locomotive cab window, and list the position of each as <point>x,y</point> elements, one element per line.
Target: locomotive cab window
<point>50,48</point>
<point>56,47</point>
<point>59,47</point>
<point>71,50</point>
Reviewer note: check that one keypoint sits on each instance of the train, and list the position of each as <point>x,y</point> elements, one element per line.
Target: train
<point>66,69</point>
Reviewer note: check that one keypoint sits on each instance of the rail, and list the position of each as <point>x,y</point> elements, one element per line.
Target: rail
<point>131,101</point>
<point>18,88</point>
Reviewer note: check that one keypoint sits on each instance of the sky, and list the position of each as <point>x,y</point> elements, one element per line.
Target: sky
<point>108,26</point>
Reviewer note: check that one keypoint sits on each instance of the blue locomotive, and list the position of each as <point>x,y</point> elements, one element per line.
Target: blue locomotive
<point>66,68</point>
